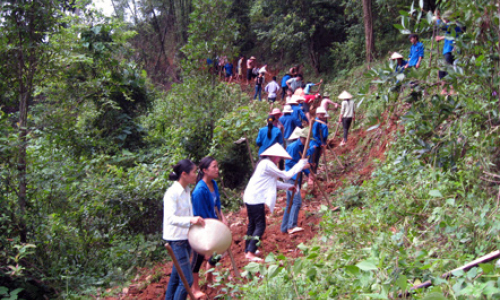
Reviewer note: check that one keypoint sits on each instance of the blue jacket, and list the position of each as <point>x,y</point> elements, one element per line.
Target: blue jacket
<point>263,142</point>
<point>290,123</point>
<point>317,128</point>
<point>298,113</point>
<point>285,78</point>
<point>294,150</point>
<point>203,202</point>
<point>416,51</point>
<point>449,41</point>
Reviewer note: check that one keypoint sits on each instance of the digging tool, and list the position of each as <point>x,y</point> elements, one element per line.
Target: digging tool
<point>323,193</point>
<point>324,158</point>
<point>179,270</point>
<point>336,157</point>
<point>304,154</point>
<point>235,268</point>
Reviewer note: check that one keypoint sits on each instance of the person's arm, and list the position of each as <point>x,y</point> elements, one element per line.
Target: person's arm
<point>303,116</point>
<point>272,170</point>
<point>259,139</point>
<point>170,207</point>
<point>342,111</point>
<point>420,53</point>
<point>289,83</point>
<point>201,202</point>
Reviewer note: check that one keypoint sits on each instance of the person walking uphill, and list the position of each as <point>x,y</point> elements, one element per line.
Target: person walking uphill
<point>258,86</point>
<point>177,218</point>
<point>320,135</point>
<point>261,189</point>
<point>206,204</point>
<point>290,218</point>
<point>347,114</point>
<point>269,135</point>
<point>289,121</point>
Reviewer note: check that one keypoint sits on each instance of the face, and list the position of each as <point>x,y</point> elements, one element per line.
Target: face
<point>212,171</point>
<point>413,40</point>
<point>321,116</point>
<point>191,176</point>
<point>303,140</point>
<point>275,159</point>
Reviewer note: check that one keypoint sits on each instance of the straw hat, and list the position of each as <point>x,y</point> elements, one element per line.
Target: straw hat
<point>396,55</point>
<point>345,95</point>
<point>298,98</point>
<point>276,112</point>
<point>300,132</point>
<point>292,100</point>
<point>276,150</point>
<point>287,109</point>
<point>215,236</point>
<point>252,57</point>
<point>322,110</point>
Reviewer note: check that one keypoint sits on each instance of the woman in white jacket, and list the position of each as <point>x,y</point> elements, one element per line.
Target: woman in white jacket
<point>261,189</point>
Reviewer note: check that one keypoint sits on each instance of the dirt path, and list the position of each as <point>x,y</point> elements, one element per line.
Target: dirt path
<point>358,158</point>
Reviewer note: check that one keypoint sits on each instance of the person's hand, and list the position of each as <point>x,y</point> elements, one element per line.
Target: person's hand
<point>293,189</point>
<point>306,166</point>
<point>320,81</point>
<point>197,221</point>
<point>417,65</point>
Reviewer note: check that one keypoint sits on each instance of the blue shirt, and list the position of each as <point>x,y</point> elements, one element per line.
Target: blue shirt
<point>229,68</point>
<point>295,149</point>
<point>285,78</point>
<point>400,68</point>
<point>203,201</point>
<point>449,40</point>
<point>289,123</point>
<point>307,89</point>
<point>298,113</point>
<point>416,51</point>
<point>263,142</point>
<point>319,130</point>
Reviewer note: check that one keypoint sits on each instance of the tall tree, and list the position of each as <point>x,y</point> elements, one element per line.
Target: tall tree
<point>24,47</point>
<point>368,21</point>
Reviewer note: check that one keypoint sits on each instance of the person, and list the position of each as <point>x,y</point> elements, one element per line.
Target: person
<point>258,86</point>
<point>269,135</point>
<point>289,122</point>
<point>240,69</point>
<point>298,113</point>
<point>309,85</point>
<point>261,189</point>
<point>448,47</point>
<point>294,83</point>
<point>325,102</point>
<point>308,103</point>
<point>206,204</point>
<point>289,95</point>
<point>400,62</point>
<point>320,136</point>
<point>416,52</point>
<point>272,89</point>
<point>284,87</point>
<point>276,112</point>
<point>290,218</point>
<point>251,63</point>
<point>347,114</point>
<point>229,71</point>
<point>177,218</point>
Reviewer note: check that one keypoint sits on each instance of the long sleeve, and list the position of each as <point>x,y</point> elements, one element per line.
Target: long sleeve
<point>171,206</point>
<point>272,170</point>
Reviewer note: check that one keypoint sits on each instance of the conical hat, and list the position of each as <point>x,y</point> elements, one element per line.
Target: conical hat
<point>322,110</point>
<point>276,150</point>
<point>215,236</point>
<point>296,133</point>
<point>298,98</point>
<point>292,100</point>
<point>345,95</point>
<point>396,55</point>
<point>287,109</point>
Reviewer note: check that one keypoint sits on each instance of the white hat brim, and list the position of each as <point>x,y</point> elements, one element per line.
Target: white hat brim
<point>276,150</point>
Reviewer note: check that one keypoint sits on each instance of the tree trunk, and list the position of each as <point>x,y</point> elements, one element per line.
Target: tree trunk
<point>367,18</point>
<point>498,28</point>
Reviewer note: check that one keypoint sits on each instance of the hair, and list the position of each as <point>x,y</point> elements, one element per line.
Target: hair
<point>413,35</point>
<point>204,164</point>
<point>184,165</point>
<point>300,75</point>
<point>270,125</point>
<point>274,78</point>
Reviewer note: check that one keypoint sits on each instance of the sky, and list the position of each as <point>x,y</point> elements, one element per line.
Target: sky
<point>105,6</point>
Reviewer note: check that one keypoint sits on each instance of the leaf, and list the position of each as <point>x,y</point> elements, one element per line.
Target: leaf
<point>435,296</point>
<point>366,265</point>
<point>375,296</point>
<point>353,270</point>
<point>312,273</point>
<point>252,267</point>
<point>401,282</point>
<point>435,193</point>
<point>400,77</point>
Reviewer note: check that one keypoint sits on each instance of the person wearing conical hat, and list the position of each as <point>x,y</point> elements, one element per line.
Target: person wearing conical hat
<point>295,149</point>
<point>347,114</point>
<point>320,136</point>
<point>261,190</point>
<point>269,135</point>
<point>206,204</point>
<point>298,113</point>
<point>289,122</point>
<point>400,62</point>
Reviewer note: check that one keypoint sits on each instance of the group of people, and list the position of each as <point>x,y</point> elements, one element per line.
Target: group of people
<point>417,49</point>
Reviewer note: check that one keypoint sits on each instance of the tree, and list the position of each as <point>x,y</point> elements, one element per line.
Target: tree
<point>368,21</point>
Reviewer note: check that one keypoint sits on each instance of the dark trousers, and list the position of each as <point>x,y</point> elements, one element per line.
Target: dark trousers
<point>315,159</point>
<point>448,57</point>
<point>175,288</point>
<point>256,226</point>
<point>346,123</point>
<point>198,260</point>
<point>284,89</point>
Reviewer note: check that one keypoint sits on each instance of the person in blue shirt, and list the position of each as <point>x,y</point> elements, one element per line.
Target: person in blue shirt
<point>205,201</point>
<point>290,218</point>
<point>400,62</point>
<point>229,71</point>
<point>284,87</point>
<point>320,135</point>
<point>298,113</point>
<point>289,122</point>
<point>309,85</point>
<point>449,44</point>
<point>269,135</point>
<point>416,52</point>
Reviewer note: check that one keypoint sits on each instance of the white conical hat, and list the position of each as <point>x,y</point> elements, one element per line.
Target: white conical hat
<point>298,98</point>
<point>345,95</point>
<point>396,55</point>
<point>291,100</point>
<point>215,236</point>
<point>322,110</point>
<point>276,150</point>
<point>295,134</point>
<point>287,109</point>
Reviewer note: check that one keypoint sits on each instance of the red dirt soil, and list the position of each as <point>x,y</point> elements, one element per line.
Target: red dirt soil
<point>357,156</point>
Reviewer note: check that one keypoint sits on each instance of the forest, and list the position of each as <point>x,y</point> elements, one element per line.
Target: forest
<point>95,111</point>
